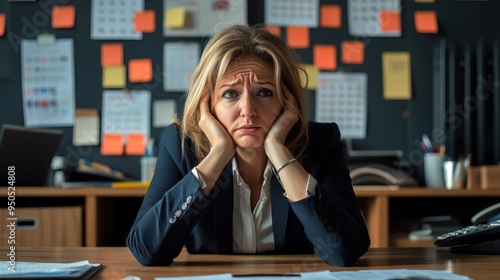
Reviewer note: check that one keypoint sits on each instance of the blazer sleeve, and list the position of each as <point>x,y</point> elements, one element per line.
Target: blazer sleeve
<point>332,220</point>
<point>172,206</point>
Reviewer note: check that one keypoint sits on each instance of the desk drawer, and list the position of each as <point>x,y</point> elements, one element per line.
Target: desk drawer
<point>46,226</point>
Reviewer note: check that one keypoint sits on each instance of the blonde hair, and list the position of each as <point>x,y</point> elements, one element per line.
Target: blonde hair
<point>238,42</point>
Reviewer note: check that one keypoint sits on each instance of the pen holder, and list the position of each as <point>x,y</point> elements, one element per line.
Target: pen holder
<point>433,170</point>
<point>147,168</point>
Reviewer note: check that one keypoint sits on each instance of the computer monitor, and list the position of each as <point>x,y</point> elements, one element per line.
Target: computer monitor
<point>29,151</point>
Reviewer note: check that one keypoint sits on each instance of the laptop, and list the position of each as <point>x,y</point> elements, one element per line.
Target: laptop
<point>29,151</point>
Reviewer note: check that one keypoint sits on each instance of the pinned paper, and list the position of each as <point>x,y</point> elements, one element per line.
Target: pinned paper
<point>2,24</point>
<point>297,37</point>
<point>325,57</point>
<point>113,76</point>
<point>331,16</point>
<point>390,21</point>
<point>353,52</point>
<point>175,18</point>
<point>63,17</point>
<point>140,70</point>
<point>144,21</point>
<point>274,29</point>
<point>136,145</point>
<point>112,145</point>
<point>111,54</point>
<point>86,128</point>
<point>426,22</point>
<point>396,70</point>
<point>163,112</point>
<point>311,81</point>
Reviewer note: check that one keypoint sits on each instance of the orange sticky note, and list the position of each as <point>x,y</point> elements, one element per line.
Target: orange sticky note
<point>325,57</point>
<point>330,16</point>
<point>426,21</point>
<point>63,17</point>
<point>140,70</point>
<point>2,25</point>
<point>390,21</point>
<point>353,52</point>
<point>136,145</point>
<point>297,37</point>
<point>111,54</point>
<point>145,21</point>
<point>274,29</point>
<point>112,145</point>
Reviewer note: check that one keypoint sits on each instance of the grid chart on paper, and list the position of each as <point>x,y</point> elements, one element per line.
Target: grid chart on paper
<point>341,98</point>
<point>364,17</point>
<point>114,19</point>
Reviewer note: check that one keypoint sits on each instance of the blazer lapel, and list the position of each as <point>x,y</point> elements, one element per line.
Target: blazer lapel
<point>280,208</point>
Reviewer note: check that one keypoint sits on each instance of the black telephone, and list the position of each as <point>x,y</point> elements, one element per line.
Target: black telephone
<point>482,237</point>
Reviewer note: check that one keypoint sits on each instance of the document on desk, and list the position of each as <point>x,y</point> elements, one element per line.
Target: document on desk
<point>38,270</point>
<point>374,274</point>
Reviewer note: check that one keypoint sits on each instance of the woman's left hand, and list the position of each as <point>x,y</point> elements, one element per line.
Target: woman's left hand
<point>282,126</point>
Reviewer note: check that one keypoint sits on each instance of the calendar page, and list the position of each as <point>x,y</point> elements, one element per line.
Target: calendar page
<point>375,18</point>
<point>341,98</point>
<point>292,12</point>
<point>114,19</point>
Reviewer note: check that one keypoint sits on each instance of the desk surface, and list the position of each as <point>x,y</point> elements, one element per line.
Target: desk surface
<point>118,262</point>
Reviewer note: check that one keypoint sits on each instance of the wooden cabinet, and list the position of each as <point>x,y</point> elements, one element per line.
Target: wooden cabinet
<point>109,213</point>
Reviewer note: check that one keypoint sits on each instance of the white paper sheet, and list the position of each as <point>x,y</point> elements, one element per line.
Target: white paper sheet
<point>292,12</point>
<point>163,111</point>
<point>48,83</point>
<point>341,98</point>
<point>111,20</point>
<point>206,16</point>
<point>364,17</point>
<point>126,112</point>
<point>179,61</point>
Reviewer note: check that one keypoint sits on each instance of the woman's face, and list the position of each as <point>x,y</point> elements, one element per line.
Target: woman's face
<point>246,103</point>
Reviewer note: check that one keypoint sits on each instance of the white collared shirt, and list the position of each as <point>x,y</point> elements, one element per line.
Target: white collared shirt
<point>253,230</point>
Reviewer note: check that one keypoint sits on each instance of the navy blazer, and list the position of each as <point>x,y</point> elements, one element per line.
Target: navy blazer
<point>175,212</point>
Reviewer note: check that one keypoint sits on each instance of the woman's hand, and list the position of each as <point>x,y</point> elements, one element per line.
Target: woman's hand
<point>213,129</point>
<point>282,126</point>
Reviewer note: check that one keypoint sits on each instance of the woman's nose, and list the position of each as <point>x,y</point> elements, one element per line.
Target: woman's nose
<point>247,108</point>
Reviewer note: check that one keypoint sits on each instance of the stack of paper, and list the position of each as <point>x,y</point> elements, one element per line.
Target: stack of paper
<point>37,270</point>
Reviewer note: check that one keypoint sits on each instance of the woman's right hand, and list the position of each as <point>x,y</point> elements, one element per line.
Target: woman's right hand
<point>217,135</point>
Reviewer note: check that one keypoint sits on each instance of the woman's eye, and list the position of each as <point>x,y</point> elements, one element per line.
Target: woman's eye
<point>229,94</point>
<point>265,92</point>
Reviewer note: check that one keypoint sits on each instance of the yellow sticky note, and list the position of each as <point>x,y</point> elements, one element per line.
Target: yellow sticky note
<point>144,21</point>
<point>63,17</point>
<point>112,54</point>
<point>112,145</point>
<point>113,76</point>
<point>297,37</point>
<point>426,22</point>
<point>140,70</point>
<point>311,81</point>
<point>353,52</point>
<point>136,145</point>
<point>396,71</point>
<point>425,1</point>
<point>2,24</point>
<point>175,18</point>
<point>325,57</point>
<point>330,16</point>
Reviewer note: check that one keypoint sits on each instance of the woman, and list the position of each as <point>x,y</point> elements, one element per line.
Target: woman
<point>245,172</point>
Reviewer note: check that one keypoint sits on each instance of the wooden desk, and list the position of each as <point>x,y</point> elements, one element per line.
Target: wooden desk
<point>119,262</point>
<point>101,206</point>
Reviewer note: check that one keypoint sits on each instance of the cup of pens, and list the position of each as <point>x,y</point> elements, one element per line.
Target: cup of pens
<point>433,163</point>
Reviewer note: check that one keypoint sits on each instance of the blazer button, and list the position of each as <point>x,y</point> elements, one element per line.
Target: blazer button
<point>172,220</point>
<point>178,213</point>
<point>189,199</point>
<point>184,206</point>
